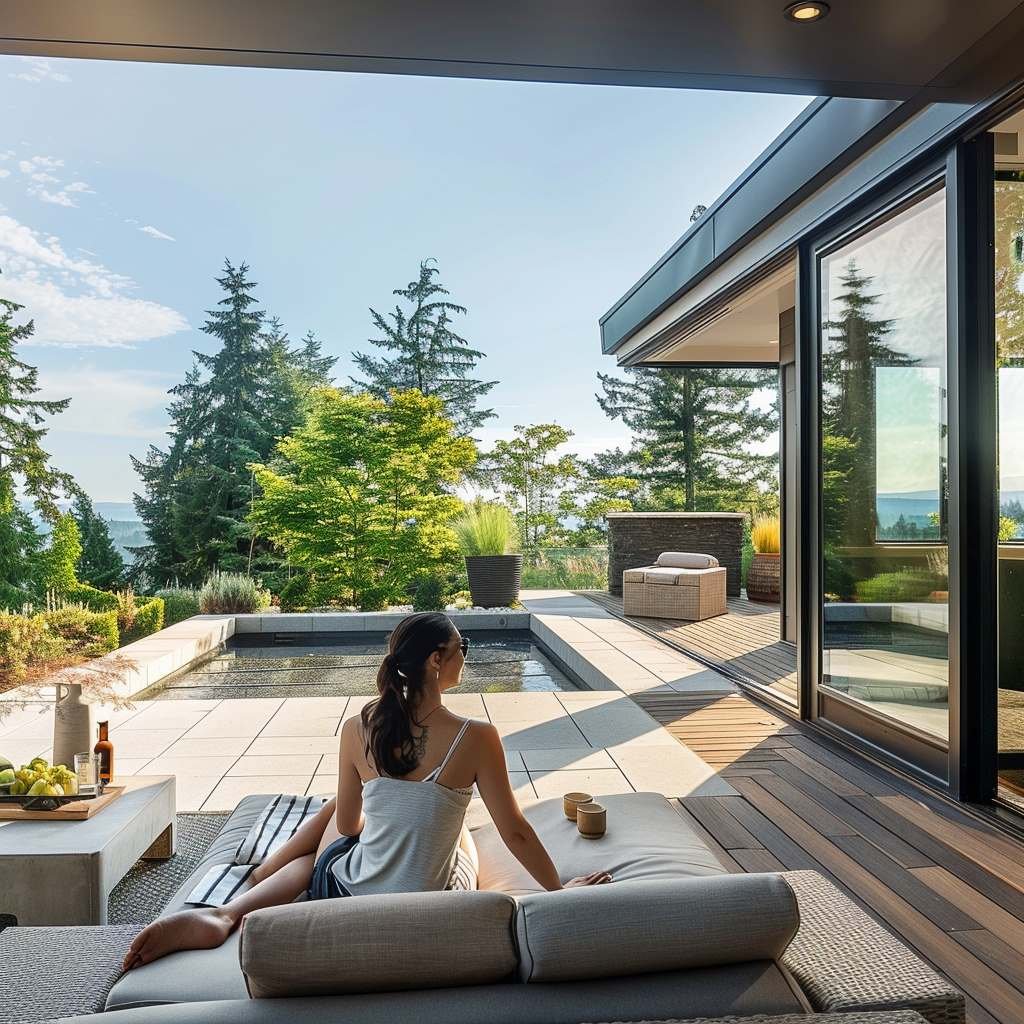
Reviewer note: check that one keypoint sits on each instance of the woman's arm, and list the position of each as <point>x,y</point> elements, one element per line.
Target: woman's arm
<point>349,817</point>
<point>516,832</point>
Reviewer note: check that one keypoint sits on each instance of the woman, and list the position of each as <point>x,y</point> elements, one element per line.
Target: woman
<point>406,772</point>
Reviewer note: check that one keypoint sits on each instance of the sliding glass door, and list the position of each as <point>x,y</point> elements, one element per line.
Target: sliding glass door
<point>883,672</point>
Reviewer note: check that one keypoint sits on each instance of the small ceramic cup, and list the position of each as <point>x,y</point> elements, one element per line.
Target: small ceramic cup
<point>572,800</point>
<point>591,820</point>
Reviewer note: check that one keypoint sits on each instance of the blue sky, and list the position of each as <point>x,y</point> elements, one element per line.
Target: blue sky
<point>124,186</point>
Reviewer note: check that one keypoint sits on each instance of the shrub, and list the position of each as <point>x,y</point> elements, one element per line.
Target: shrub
<point>568,570</point>
<point>428,594</point>
<point>231,593</point>
<point>486,529</point>
<point>85,633</point>
<point>148,619</point>
<point>180,603</point>
<point>125,612</point>
<point>764,535</point>
<point>91,598</point>
<point>905,585</point>
<point>295,594</point>
<point>19,636</point>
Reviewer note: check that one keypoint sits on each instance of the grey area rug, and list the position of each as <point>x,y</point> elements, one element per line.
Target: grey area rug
<point>147,888</point>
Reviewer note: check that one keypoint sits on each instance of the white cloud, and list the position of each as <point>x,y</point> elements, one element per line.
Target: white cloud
<point>121,403</point>
<point>46,196</point>
<point>38,69</point>
<point>76,301</point>
<point>156,233</point>
<point>4,173</point>
<point>78,186</point>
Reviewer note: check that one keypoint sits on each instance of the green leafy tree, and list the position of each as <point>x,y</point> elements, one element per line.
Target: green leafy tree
<point>591,501</point>
<point>855,346</point>
<point>100,563</point>
<point>428,354</point>
<point>694,429</point>
<point>57,562</point>
<point>359,496</point>
<point>534,479</point>
<point>228,413</point>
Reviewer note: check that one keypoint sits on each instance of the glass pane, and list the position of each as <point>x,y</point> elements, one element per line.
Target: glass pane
<point>1009,294</point>
<point>884,490</point>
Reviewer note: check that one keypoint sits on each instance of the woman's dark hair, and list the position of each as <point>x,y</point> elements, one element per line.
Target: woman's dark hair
<point>388,721</point>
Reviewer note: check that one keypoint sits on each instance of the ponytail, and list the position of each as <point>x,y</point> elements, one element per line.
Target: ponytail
<point>388,721</point>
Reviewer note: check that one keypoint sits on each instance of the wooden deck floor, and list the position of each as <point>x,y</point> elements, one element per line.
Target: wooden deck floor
<point>743,644</point>
<point>948,883</point>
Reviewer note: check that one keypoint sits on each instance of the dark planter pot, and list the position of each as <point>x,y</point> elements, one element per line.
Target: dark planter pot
<point>494,580</point>
<point>764,577</point>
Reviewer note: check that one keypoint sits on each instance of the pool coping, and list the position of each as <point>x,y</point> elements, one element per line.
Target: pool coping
<point>599,651</point>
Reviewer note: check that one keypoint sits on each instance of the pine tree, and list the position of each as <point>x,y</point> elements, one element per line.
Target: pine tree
<point>228,413</point>
<point>100,563</point>
<point>855,347</point>
<point>21,417</point>
<point>24,463</point>
<point>430,356</point>
<point>693,428</point>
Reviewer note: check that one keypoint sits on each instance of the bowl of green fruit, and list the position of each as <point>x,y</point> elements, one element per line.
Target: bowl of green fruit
<point>38,785</point>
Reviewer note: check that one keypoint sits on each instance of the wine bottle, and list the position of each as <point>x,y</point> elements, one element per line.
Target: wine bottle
<point>106,751</point>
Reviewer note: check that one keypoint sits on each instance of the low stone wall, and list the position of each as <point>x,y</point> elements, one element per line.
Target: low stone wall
<point>637,538</point>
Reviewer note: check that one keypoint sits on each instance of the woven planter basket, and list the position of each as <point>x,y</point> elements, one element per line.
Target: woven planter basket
<point>494,580</point>
<point>764,577</point>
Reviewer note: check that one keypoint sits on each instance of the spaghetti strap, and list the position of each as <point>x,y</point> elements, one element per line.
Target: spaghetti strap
<point>433,776</point>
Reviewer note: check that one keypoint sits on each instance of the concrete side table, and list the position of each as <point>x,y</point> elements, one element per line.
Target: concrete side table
<point>61,872</point>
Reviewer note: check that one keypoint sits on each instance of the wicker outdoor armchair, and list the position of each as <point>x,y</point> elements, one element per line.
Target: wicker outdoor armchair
<point>680,585</point>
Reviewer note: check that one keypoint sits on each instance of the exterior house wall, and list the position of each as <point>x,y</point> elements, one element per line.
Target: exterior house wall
<point>637,538</point>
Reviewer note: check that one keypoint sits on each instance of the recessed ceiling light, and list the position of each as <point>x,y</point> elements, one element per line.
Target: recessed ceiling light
<point>807,10</point>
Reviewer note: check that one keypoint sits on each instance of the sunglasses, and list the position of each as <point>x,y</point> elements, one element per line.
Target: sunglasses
<point>464,646</point>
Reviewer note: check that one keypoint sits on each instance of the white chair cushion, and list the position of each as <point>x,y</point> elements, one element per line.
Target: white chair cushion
<point>670,577</point>
<point>646,839</point>
<point>686,560</point>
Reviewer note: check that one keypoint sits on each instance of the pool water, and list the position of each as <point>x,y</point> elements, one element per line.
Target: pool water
<point>337,666</point>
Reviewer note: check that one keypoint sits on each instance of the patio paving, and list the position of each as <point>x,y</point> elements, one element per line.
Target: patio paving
<point>596,740</point>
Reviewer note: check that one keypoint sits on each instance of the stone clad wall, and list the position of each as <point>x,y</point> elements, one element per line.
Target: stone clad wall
<point>637,538</point>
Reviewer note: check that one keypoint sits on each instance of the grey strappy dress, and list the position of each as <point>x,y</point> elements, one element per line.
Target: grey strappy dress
<point>410,835</point>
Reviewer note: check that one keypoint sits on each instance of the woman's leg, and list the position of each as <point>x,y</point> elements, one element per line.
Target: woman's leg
<point>206,927</point>
<point>305,841</point>
<point>278,880</point>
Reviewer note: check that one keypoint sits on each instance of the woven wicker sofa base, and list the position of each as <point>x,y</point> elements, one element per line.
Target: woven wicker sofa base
<point>884,1017</point>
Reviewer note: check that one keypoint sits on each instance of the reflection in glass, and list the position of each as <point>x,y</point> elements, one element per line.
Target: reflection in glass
<point>884,469</point>
<point>1009,310</point>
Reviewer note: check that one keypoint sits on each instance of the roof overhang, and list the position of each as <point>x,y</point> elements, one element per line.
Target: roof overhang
<point>871,48</point>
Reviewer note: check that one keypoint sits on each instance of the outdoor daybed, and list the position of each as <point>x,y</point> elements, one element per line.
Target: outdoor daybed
<point>680,585</point>
<point>674,937</point>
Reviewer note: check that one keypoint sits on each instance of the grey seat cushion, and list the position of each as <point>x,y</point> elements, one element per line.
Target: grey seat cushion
<point>743,990</point>
<point>646,840</point>
<point>379,944</point>
<point>658,926</point>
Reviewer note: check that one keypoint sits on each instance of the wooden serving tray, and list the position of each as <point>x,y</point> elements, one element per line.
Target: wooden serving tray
<point>75,810</point>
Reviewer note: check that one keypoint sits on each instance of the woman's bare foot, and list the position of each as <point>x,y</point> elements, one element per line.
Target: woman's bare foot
<point>202,928</point>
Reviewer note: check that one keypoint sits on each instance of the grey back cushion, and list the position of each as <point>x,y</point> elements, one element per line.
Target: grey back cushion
<point>639,927</point>
<point>686,560</point>
<point>378,944</point>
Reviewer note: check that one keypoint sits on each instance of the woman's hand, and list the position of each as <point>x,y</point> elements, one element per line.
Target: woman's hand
<point>594,878</point>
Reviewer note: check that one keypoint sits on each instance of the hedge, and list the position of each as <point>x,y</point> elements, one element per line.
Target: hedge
<point>86,632</point>
<point>93,599</point>
<point>149,619</point>
<point>179,604</point>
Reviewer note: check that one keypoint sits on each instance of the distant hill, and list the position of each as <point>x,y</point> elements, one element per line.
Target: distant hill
<point>126,529</point>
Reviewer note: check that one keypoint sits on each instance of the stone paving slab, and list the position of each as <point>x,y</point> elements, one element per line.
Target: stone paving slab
<point>597,740</point>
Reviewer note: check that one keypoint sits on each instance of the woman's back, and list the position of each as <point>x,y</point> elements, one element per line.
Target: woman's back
<point>412,825</point>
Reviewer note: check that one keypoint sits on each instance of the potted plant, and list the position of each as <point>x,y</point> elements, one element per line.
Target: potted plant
<point>765,575</point>
<point>488,538</point>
